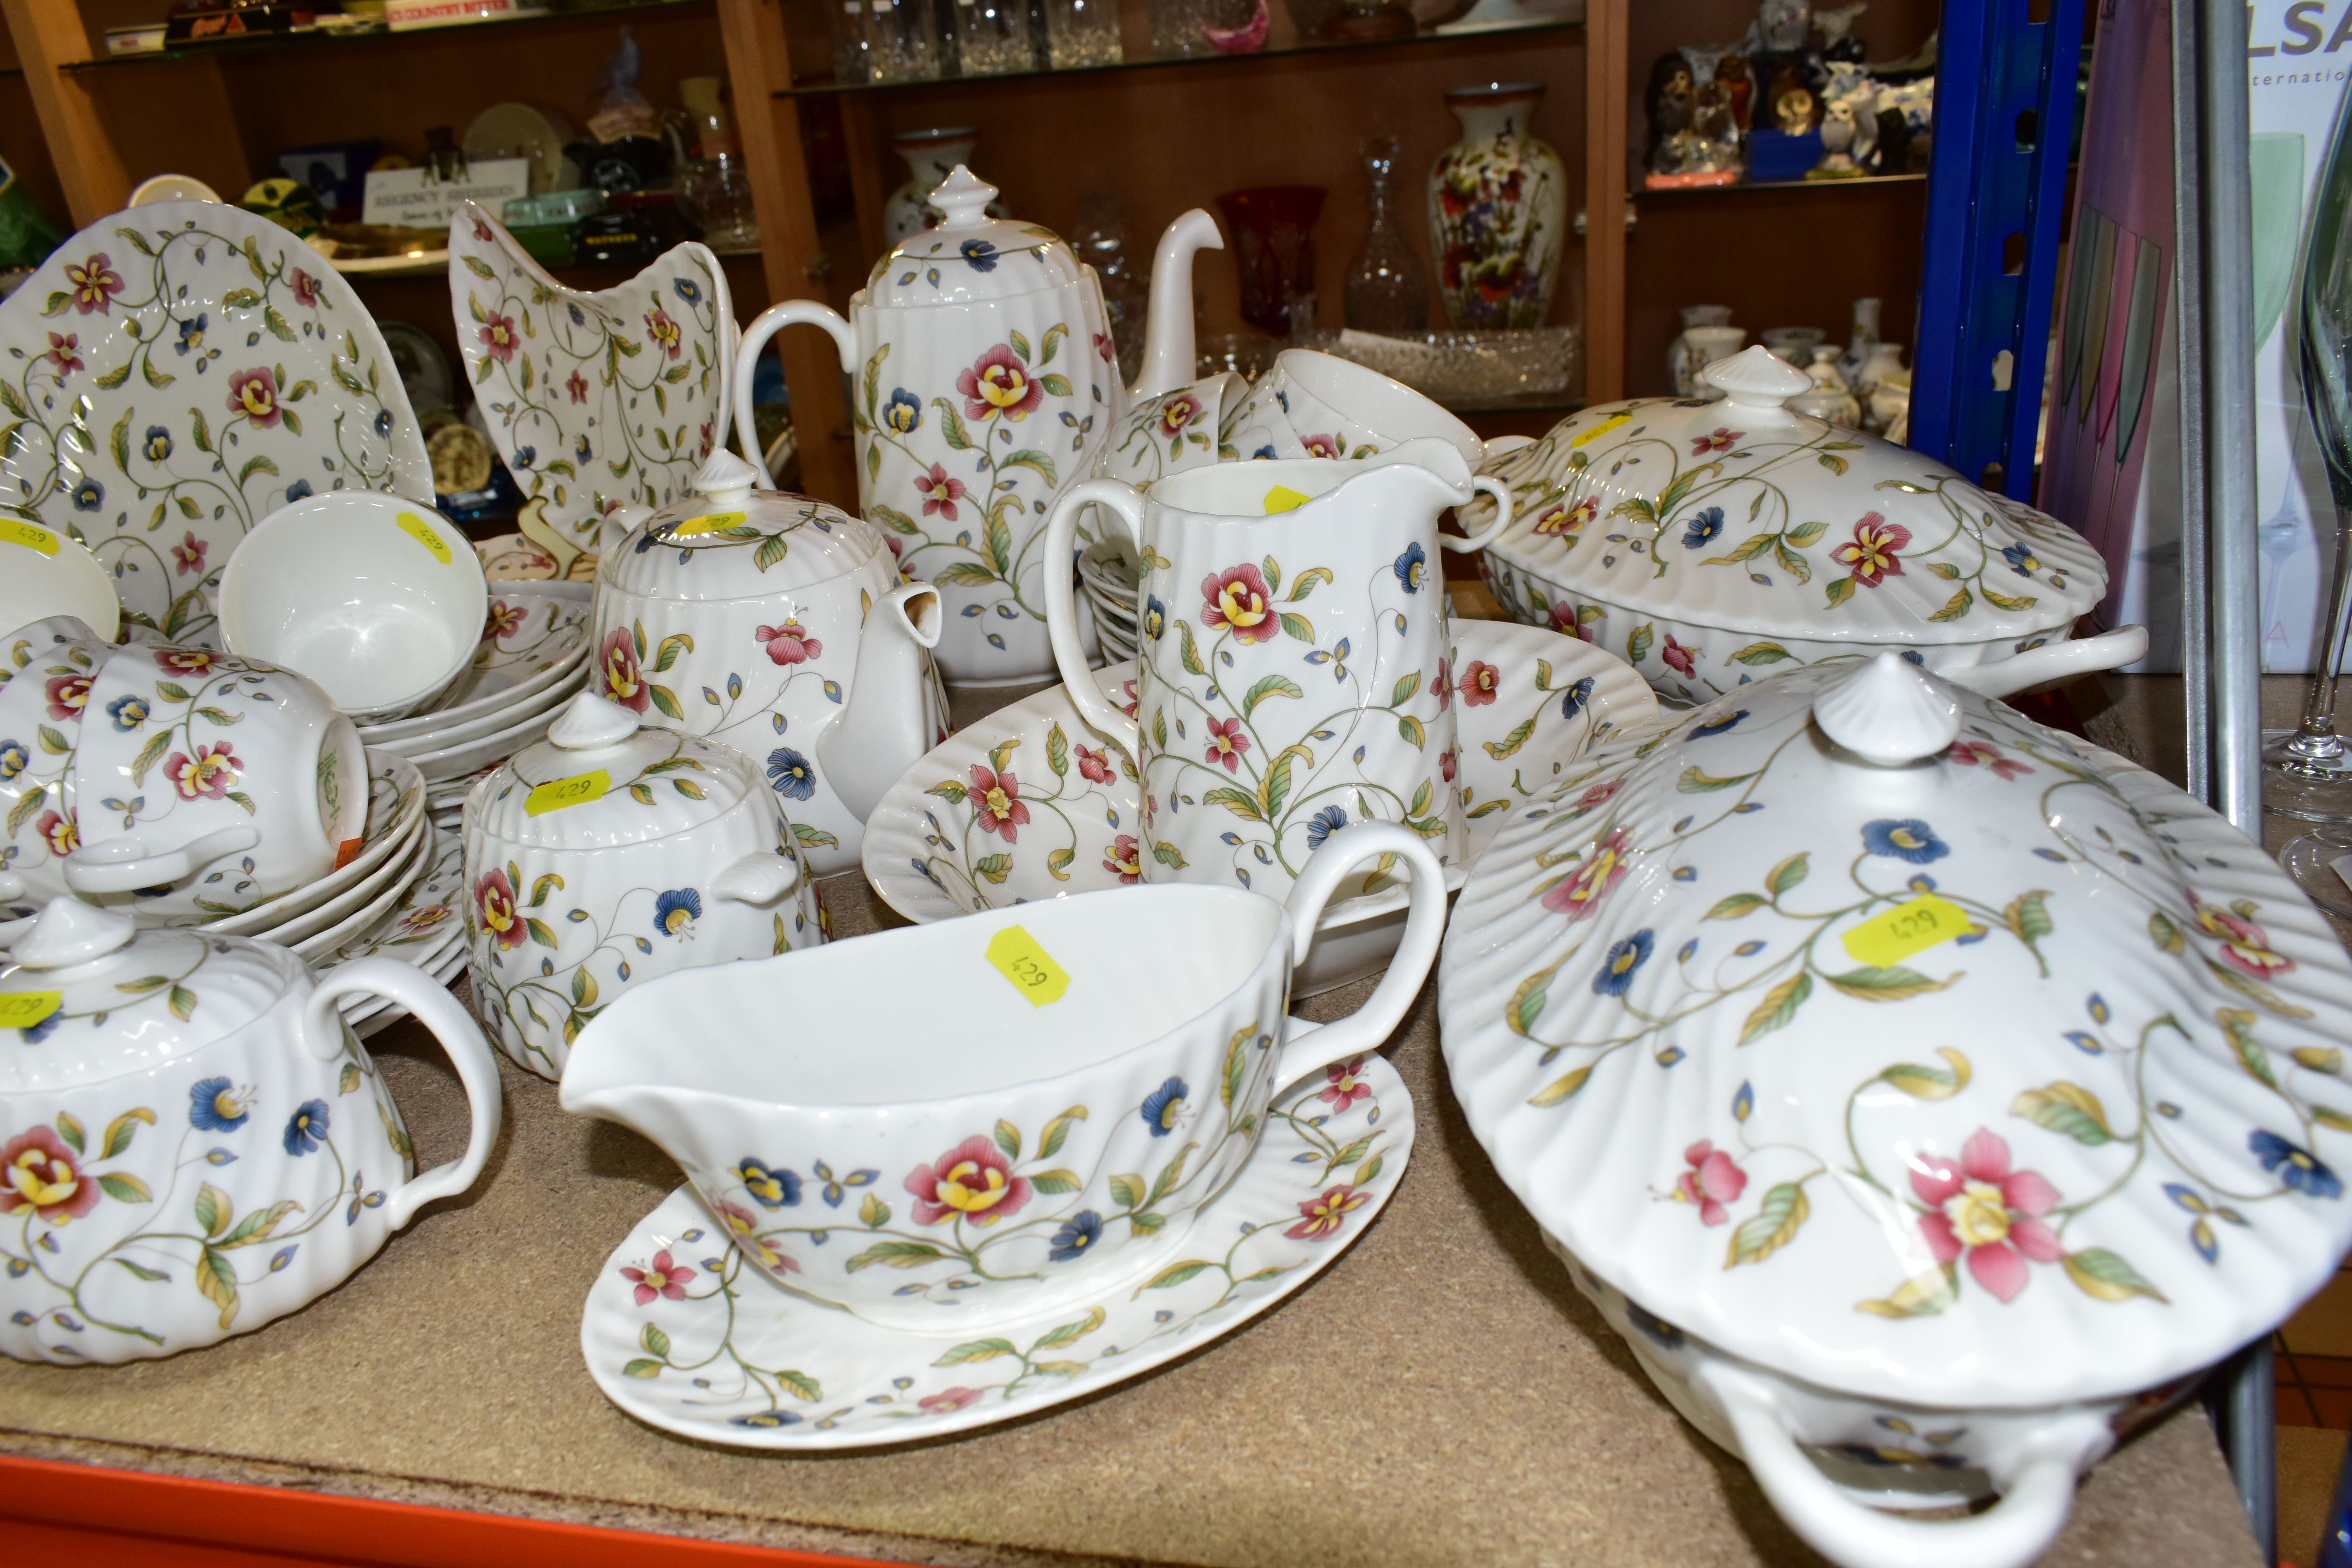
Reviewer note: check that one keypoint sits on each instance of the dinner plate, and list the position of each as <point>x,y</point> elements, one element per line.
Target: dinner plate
<point>395,801</point>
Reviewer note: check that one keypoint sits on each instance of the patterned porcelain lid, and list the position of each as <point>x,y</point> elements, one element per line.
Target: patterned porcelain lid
<point>728,541</point>
<point>91,997</point>
<point>970,256</point>
<point>1864,1029</point>
<point>600,779</point>
<point>1744,515</point>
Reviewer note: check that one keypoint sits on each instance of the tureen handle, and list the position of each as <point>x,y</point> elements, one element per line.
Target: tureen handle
<point>774,319</point>
<point>2037,1487</point>
<point>2052,662</point>
<point>1062,605</point>
<point>322,1036</point>
<point>758,879</point>
<point>1368,1027</point>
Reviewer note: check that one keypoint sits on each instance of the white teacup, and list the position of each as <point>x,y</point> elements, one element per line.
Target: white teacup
<point>1039,1117</point>
<point>45,573</point>
<point>1314,404</point>
<point>378,598</point>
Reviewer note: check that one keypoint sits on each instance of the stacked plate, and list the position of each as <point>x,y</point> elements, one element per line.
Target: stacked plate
<point>1110,577</point>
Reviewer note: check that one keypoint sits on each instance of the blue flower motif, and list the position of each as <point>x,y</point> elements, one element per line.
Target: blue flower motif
<point>1078,1232</point>
<point>157,444</point>
<point>89,496</point>
<point>579,318</point>
<point>524,456</point>
<point>2021,560</point>
<point>1718,726</point>
<point>904,412</point>
<point>676,911</point>
<point>1655,1329</point>
<point>689,290</point>
<point>297,491</point>
<point>191,335</point>
<point>128,712</point>
<point>1411,566</point>
<point>384,421</point>
<point>1701,530</point>
<point>214,1106</point>
<point>1322,825</point>
<point>766,1418</point>
<point>1907,839</point>
<point>1576,698</point>
<point>789,773</point>
<point>1155,617</point>
<point>581,452</point>
<point>834,1185</point>
<point>13,759</point>
<point>307,1128</point>
<point>980,253</point>
<point>1164,1105</point>
<point>41,1031</point>
<point>770,1187</point>
<point>2298,1167</point>
<point>1266,451</point>
<point>1627,956</point>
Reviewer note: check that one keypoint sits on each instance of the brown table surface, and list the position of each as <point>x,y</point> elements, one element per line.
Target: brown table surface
<point>1442,1395</point>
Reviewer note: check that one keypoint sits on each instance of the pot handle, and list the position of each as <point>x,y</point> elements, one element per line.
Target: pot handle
<point>1062,602</point>
<point>759,878</point>
<point>1369,1025</point>
<point>2036,1494</point>
<point>772,320</point>
<point>1501,493</point>
<point>322,1034</point>
<point>123,865</point>
<point>2051,662</point>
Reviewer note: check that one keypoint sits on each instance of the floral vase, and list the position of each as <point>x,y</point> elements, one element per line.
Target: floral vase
<point>1497,210</point>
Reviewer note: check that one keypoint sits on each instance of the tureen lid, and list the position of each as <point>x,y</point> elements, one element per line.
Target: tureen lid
<point>970,256</point>
<point>88,995</point>
<point>1863,1028</point>
<point>728,541</point>
<point>601,778</point>
<point>1746,515</point>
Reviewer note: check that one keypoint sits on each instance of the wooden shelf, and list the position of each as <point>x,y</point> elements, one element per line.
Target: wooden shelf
<point>481,33</point>
<point>1855,182</point>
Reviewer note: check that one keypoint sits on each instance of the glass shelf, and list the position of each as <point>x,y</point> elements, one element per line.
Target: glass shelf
<point>1645,193</point>
<point>477,32</point>
<point>1463,43</point>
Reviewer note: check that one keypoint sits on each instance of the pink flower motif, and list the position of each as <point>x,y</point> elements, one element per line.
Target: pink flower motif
<point>1568,623</point>
<point>61,831</point>
<point>1723,440</point>
<point>703,450</point>
<point>998,383</point>
<point>1104,347</point>
<point>254,393</point>
<point>196,662</point>
<point>1987,1211</point>
<point>1481,684</point>
<point>94,284</point>
<point>1321,446</point>
<point>618,674</point>
<point>665,1279</point>
<point>1969,754</point>
<point>1177,413</point>
<point>972,1179</point>
<point>744,1232</point>
<point>1238,601</point>
<point>1873,555</point>
<point>482,231</point>
<point>1126,858</point>
<point>1326,1212</point>
<point>207,775</point>
<point>1711,1182</point>
<point>577,386</point>
<point>38,1171</point>
<point>1447,761</point>
<point>1346,1085</point>
<point>503,621</point>
<point>1599,795</point>
<point>306,288</point>
<point>68,695</point>
<point>1226,743</point>
<point>1679,658</point>
<point>948,1401</point>
<point>2245,946</point>
<point>1579,893</point>
<point>62,352</point>
<point>498,335</point>
<point>495,910</point>
<point>1562,518</point>
<point>188,555</point>
<point>996,804</point>
<point>1133,701</point>
<point>1094,766</point>
<point>939,492</point>
<point>1441,687</point>
<point>663,333</point>
<point>789,644</point>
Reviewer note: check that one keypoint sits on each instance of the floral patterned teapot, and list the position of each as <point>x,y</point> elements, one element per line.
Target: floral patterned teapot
<point>192,1143</point>
<point>985,380</point>
<point>1928,1098</point>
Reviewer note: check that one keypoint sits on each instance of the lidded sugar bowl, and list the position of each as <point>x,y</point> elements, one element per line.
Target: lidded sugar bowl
<point>1926,1097</point>
<point>192,1143</point>
<point>610,853</point>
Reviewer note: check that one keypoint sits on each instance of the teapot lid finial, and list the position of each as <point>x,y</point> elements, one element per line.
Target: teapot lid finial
<point>591,722</point>
<point>725,479</point>
<point>1888,712</point>
<point>1757,382</point>
<point>69,931</point>
<point>963,198</point>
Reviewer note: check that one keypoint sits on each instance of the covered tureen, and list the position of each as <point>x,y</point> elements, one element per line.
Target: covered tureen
<point>1712,542</point>
<point>1926,1097</point>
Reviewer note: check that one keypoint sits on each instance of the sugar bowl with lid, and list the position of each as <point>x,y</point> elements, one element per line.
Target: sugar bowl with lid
<point>192,1143</point>
<point>608,854</point>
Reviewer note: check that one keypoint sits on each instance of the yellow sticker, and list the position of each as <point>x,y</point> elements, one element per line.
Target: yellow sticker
<point>23,1009</point>
<point>1032,970</point>
<point>1885,940</point>
<point>1281,499</point>
<point>1601,429</point>
<point>416,528</point>
<point>557,793</point>
<point>714,522</point>
<point>30,537</point>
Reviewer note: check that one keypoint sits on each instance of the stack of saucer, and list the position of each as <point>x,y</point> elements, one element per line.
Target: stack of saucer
<point>395,849</point>
<point>1110,576</point>
<point>426,927</point>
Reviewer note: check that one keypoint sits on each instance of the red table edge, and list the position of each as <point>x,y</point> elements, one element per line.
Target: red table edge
<point>301,1526</point>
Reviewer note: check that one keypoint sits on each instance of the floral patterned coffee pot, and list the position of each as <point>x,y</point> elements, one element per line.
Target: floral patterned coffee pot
<point>984,381</point>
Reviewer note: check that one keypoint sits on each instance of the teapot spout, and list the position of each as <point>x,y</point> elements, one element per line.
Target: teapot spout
<point>885,724</point>
<point>1168,348</point>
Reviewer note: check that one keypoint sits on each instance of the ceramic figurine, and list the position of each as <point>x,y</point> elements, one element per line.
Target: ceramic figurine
<point>1859,339</point>
<point>1783,25</point>
<point>1885,359</point>
<point>1891,152</point>
<point>1668,103</point>
<point>1738,79</point>
<point>195,1143</point>
<point>985,380</point>
<point>1836,24</point>
<point>1498,211</point>
<point>1837,161</point>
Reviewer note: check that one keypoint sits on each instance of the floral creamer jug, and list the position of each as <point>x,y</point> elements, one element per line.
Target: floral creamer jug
<point>984,381</point>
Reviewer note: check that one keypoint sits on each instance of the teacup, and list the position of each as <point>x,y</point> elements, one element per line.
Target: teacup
<point>1292,675</point>
<point>378,598</point>
<point>45,572</point>
<point>1174,431</point>
<point>1314,404</point>
<point>1037,1117</point>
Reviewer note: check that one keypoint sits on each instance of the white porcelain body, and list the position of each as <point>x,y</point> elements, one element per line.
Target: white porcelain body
<point>1314,404</point>
<point>45,573</point>
<point>1698,347</point>
<point>929,159</point>
<point>1014,1154</point>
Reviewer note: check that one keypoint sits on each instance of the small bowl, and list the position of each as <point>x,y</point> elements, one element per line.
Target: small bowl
<point>45,573</point>
<point>376,597</point>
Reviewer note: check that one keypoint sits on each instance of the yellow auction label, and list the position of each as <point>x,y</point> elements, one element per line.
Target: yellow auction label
<point>417,529</point>
<point>711,522</point>
<point>29,536</point>
<point>1281,499</point>
<point>1885,940</point>
<point>1601,429</point>
<point>557,793</point>
<point>1016,955</point>
<point>23,1009</point>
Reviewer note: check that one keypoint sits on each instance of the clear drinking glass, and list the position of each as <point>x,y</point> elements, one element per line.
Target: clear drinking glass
<point>1101,243</point>
<point>853,42</point>
<point>1082,33</point>
<point>992,37</point>
<point>904,40</point>
<point>1387,290</point>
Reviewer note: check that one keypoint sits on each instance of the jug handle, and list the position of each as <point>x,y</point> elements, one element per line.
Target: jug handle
<point>1501,495</point>
<point>322,1035</point>
<point>772,320</point>
<point>1061,600</point>
<point>104,868</point>
<point>1369,1025</point>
